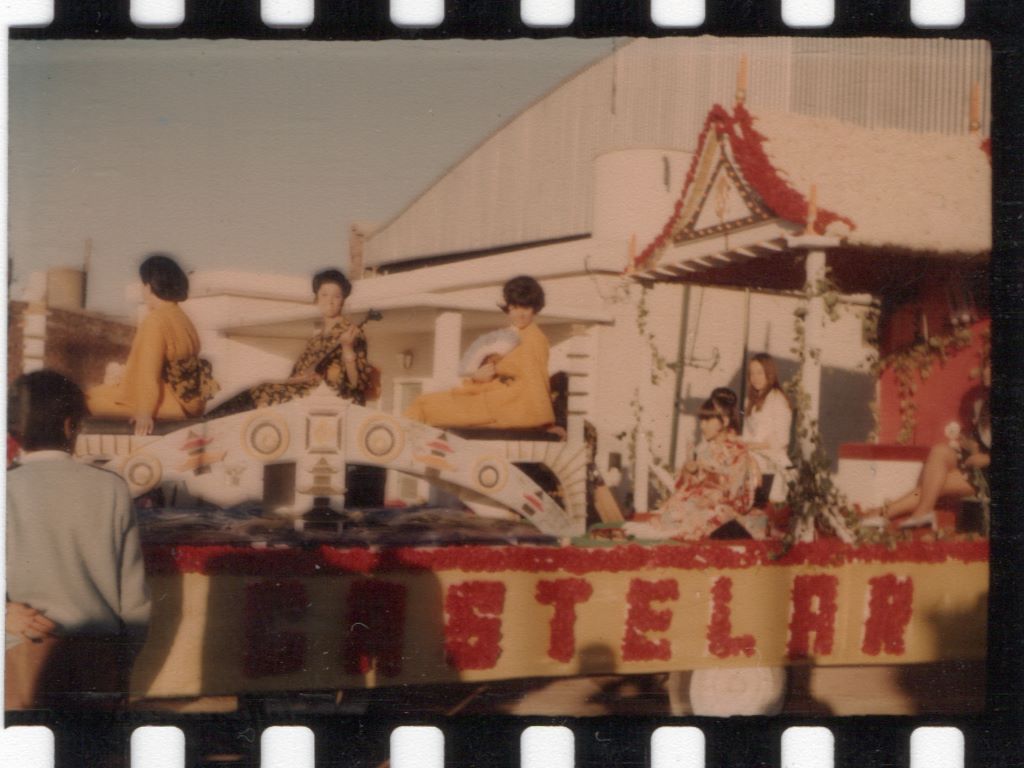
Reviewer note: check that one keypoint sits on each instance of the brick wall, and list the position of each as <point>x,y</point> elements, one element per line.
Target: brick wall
<point>15,339</point>
<point>80,344</point>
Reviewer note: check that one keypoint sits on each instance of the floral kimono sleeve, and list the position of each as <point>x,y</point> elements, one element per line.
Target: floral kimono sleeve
<point>337,378</point>
<point>739,476</point>
<point>308,358</point>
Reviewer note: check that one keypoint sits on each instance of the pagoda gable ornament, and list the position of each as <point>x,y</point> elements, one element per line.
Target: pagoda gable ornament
<point>724,203</point>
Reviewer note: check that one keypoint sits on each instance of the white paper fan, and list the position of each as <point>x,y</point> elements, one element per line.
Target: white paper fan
<point>499,342</point>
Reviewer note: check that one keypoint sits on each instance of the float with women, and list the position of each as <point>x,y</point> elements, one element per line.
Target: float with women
<point>482,551</point>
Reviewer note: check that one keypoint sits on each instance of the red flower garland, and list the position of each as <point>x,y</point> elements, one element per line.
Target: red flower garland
<point>642,619</point>
<point>563,594</point>
<point>757,170</point>
<point>721,643</point>
<point>270,651</point>
<point>698,556</point>
<point>473,629</point>
<point>640,260</point>
<point>806,619</point>
<point>376,622</point>
<point>889,610</point>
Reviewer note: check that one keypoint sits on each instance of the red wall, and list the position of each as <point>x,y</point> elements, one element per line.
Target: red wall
<point>938,397</point>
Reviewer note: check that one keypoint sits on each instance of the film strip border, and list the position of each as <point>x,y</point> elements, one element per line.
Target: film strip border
<point>990,740</point>
<point>370,743</point>
<point>503,19</point>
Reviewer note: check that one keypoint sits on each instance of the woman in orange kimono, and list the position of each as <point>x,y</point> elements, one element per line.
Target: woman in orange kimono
<point>514,392</point>
<point>163,378</point>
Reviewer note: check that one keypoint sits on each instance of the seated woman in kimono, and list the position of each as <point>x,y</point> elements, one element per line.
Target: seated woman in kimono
<point>336,354</point>
<point>164,377</point>
<point>514,392</point>
<point>716,487</point>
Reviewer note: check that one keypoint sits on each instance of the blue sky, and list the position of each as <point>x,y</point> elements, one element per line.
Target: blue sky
<point>241,154</point>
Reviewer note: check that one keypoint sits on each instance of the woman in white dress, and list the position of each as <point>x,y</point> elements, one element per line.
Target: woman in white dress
<point>767,425</point>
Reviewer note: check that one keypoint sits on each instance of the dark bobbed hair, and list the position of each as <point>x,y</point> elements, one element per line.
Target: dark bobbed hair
<point>332,276</point>
<point>164,277</point>
<point>37,407</point>
<point>722,405</point>
<point>523,291</point>
<point>756,398</point>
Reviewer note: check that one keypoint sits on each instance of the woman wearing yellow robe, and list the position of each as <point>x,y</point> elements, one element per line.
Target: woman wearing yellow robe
<point>515,392</point>
<point>163,378</point>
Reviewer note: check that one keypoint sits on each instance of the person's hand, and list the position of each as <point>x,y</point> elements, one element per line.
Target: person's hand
<point>969,445</point>
<point>349,336</point>
<point>143,423</point>
<point>977,460</point>
<point>25,621</point>
<point>485,373</point>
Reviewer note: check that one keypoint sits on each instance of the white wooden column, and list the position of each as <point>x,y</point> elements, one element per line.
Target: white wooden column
<point>447,350</point>
<point>814,324</point>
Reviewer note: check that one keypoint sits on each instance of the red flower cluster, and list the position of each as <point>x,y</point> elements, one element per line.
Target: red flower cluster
<point>641,618</point>
<point>889,609</point>
<point>747,147</point>
<point>807,618</point>
<point>659,242</point>
<point>699,556</point>
<point>721,643</point>
<point>563,594</point>
<point>473,631</point>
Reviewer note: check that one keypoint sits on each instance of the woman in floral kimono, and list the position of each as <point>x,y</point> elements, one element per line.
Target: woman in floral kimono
<point>335,355</point>
<point>716,487</point>
<point>164,377</point>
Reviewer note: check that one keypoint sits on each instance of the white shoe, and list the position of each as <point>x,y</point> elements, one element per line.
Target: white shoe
<point>875,521</point>
<point>925,520</point>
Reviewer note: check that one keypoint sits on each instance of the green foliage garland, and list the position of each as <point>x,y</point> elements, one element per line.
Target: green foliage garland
<point>916,363</point>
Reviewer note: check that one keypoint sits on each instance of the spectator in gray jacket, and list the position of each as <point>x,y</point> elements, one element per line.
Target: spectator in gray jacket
<point>74,560</point>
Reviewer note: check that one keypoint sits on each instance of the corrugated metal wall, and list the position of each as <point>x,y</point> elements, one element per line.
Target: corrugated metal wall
<point>532,179</point>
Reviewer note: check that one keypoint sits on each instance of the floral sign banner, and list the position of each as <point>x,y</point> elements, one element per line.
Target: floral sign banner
<point>343,618</point>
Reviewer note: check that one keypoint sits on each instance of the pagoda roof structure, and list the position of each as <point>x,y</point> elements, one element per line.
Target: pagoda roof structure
<point>768,185</point>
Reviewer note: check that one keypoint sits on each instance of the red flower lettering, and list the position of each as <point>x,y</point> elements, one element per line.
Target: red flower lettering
<point>269,651</point>
<point>640,619</point>
<point>376,627</point>
<point>473,629</point>
<point>807,618</point>
<point>721,643</point>
<point>563,594</point>
<point>889,610</point>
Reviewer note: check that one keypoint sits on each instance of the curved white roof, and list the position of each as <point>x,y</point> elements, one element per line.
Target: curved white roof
<point>531,181</point>
<point>921,192</point>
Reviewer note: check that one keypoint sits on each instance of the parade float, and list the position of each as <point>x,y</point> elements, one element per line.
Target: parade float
<point>281,560</point>
<point>297,589</point>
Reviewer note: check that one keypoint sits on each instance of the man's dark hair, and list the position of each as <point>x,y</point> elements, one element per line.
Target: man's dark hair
<point>164,277</point>
<point>523,291</point>
<point>332,276</point>
<point>38,405</point>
